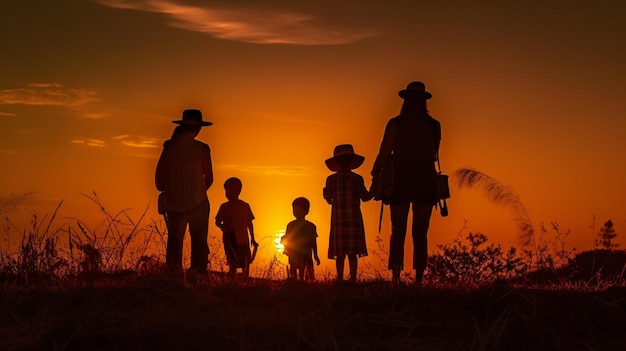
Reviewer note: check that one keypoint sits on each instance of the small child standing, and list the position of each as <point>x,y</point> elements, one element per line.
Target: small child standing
<point>234,218</point>
<point>344,191</point>
<point>300,240</point>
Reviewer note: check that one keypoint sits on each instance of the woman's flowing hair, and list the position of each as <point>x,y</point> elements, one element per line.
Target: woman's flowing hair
<point>414,106</point>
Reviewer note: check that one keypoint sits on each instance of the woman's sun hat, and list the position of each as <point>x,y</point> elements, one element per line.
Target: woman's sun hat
<point>193,117</point>
<point>415,90</point>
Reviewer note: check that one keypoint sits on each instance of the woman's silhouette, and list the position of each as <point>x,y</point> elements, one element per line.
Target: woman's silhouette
<point>410,146</point>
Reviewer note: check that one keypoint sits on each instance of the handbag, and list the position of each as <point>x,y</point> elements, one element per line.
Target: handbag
<point>161,203</point>
<point>444,189</point>
<point>383,184</point>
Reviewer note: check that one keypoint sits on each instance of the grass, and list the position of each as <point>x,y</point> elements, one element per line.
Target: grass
<point>100,291</point>
<point>160,312</point>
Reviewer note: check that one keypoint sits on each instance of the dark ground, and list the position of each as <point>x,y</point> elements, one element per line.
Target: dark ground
<point>158,313</point>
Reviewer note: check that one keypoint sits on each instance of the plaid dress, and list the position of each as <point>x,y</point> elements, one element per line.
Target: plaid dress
<point>344,191</point>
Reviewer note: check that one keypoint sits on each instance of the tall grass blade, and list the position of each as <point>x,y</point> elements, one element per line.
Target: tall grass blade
<point>501,195</point>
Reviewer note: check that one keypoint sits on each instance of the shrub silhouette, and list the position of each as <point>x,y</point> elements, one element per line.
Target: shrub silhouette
<point>475,263</point>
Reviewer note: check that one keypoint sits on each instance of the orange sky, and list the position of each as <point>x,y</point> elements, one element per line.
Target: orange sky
<point>532,95</point>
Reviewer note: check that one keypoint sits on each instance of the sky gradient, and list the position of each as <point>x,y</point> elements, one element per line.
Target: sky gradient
<point>531,94</point>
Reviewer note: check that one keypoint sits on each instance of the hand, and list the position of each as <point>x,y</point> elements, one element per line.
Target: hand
<point>317,259</point>
<point>254,243</point>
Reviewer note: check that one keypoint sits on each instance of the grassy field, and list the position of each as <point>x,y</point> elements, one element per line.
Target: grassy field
<point>160,312</point>
<point>65,286</point>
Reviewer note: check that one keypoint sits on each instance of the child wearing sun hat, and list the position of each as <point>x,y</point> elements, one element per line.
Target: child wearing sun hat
<point>344,191</point>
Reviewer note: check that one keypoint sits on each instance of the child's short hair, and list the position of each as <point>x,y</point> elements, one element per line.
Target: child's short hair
<point>302,202</point>
<point>233,183</point>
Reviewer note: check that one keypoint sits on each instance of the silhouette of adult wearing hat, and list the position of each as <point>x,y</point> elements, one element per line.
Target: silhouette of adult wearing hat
<point>185,173</point>
<point>409,147</point>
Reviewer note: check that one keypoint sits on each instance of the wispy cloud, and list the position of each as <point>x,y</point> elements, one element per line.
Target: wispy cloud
<point>138,141</point>
<point>8,151</point>
<point>7,114</point>
<point>245,25</point>
<point>94,115</point>
<point>51,94</point>
<point>89,142</point>
<point>266,170</point>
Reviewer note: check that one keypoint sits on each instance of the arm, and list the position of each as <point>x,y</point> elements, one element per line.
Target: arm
<point>159,176</point>
<point>386,146</point>
<point>315,256</point>
<point>219,221</point>
<point>364,194</point>
<point>250,226</point>
<point>437,138</point>
<point>207,168</point>
<point>328,196</point>
<point>251,231</point>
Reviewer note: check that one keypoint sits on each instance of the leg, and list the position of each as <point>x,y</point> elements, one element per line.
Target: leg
<point>399,216</point>
<point>246,270</point>
<point>421,222</point>
<point>176,226</point>
<point>198,230</point>
<point>352,261</point>
<point>293,271</point>
<point>301,273</point>
<point>308,274</point>
<point>230,250</point>
<point>340,264</point>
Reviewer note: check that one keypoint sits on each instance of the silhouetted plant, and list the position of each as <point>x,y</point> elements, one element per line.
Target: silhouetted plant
<point>606,235</point>
<point>272,268</point>
<point>474,264</point>
<point>37,257</point>
<point>382,255</point>
<point>550,254</point>
<point>44,253</point>
<point>91,261</point>
<point>501,195</point>
<point>113,237</point>
<point>597,267</point>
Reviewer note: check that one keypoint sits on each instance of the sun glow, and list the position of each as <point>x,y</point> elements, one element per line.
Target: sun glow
<point>279,246</point>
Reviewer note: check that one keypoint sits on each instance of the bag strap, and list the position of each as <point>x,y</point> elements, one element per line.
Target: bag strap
<point>392,137</point>
<point>442,207</point>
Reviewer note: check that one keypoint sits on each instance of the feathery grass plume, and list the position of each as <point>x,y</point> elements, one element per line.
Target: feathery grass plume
<point>501,195</point>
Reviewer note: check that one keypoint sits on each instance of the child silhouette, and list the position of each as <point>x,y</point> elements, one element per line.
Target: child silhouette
<point>300,240</point>
<point>344,191</point>
<point>234,218</point>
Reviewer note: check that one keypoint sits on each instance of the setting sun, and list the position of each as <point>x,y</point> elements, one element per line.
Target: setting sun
<point>279,246</point>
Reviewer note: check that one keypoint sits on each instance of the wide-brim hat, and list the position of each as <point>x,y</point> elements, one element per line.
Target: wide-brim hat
<point>193,117</point>
<point>415,90</point>
<point>344,154</point>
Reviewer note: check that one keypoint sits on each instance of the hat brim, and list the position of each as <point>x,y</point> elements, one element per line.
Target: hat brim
<point>194,123</point>
<point>414,93</point>
<point>354,161</point>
